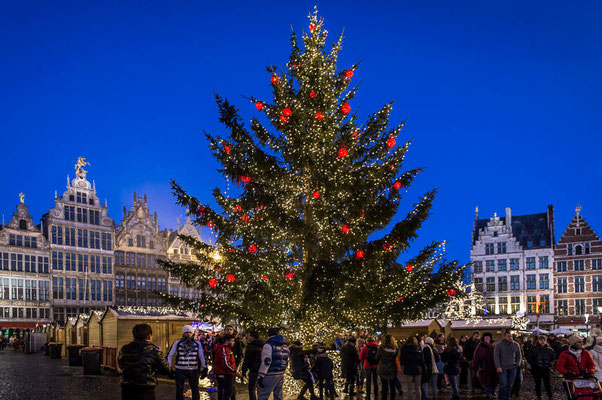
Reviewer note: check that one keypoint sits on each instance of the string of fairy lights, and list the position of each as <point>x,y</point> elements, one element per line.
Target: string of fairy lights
<point>304,195</point>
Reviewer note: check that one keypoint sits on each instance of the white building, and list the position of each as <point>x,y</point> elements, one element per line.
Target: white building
<point>24,272</point>
<point>512,264</point>
<point>81,236</point>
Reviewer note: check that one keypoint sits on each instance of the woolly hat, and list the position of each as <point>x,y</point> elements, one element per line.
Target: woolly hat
<point>187,328</point>
<point>574,339</point>
<point>429,340</point>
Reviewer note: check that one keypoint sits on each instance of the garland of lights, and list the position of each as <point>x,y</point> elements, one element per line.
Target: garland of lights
<point>295,231</point>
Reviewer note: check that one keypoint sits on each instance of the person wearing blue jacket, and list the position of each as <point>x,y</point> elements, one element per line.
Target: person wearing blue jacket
<point>274,361</point>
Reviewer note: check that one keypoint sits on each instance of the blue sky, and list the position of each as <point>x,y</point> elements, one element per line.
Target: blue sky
<point>502,99</point>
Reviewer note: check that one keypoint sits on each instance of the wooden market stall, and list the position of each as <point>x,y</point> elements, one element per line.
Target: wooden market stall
<point>81,329</point>
<point>94,338</point>
<point>495,326</point>
<point>117,322</point>
<point>425,326</point>
<point>70,332</point>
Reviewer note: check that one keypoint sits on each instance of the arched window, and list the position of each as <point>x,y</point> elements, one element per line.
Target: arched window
<point>578,250</point>
<point>22,224</point>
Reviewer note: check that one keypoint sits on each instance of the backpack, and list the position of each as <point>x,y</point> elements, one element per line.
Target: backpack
<point>371,355</point>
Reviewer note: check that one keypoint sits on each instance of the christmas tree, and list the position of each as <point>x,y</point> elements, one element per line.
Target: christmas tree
<point>308,240</point>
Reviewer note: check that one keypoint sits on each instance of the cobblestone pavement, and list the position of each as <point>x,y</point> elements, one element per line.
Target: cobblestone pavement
<point>33,376</point>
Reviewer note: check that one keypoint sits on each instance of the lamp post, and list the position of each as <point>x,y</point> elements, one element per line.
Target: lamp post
<point>586,325</point>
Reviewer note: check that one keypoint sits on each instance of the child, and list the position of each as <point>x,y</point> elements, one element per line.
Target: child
<point>323,371</point>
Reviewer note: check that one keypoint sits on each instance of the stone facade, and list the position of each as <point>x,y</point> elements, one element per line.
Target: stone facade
<point>81,235</point>
<point>178,251</point>
<point>578,276</point>
<point>138,245</point>
<point>512,260</point>
<point>24,272</point>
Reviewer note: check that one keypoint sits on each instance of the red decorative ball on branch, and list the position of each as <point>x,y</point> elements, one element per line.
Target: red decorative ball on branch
<point>349,73</point>
<point>451,292</point>
<point>345,228</point>
<point>409,268</point>
<point>264,277</point>
<point>284,118</point>
<point>289,275</point>
<point>316,195</point>
<point>275,80</point>
<point>238,208</point>
<point>319,116</point>
<point>343,152</point>
<point>287,112</point>
<point>400,298</point>
<point>230,278</point>
<point>312,27</point>
<point>312,94</point>
<point>356,134</point>
<point>397,185</point>
<point>212,282</point>
<point>245,178</point>
<point>244,218</point>
<point>391,142</point>
<point>346,108</point>
<point>252,248</point>
<point>210,224</point>
<point>259,105</point>
<point>360,254</point>
<point>387,246</point>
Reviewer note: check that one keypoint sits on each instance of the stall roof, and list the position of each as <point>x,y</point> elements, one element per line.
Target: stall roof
<point>482,323</point>
<point>147,313</point>
<point>419,324</point>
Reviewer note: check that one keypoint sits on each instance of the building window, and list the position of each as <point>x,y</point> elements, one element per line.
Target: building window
<point>597,283</point>
<point>597,263</point>
<point>587,248</point>
<point>490,266</point>
<point>514,264</point>
<point>131,281</point>
<point>82,238</point>
<point>491,284</point>
<point>502,283</point>
<point>578,250</point>
<point>579,284</point>
<point>543,262</point>
<point>579,265</point>
<point>478,284</point>
<point>501,247</point>
<point>501,265</point>
<point>531,304</point>
<point>57,260</point>
<point>130,242</point>
<point>597,303</point>
<point>531,283</point>
<point>107,243</point>
<point>569,249</point>
<point>107,265</point>
<point>515,282</point>
<point>130,259</point>
<point>515,304</point>
<point>140,241</point>
<point>82,198</point>
<point>562,285</point>
<point>490,304</point>
<point>579,306</point>
<point>477,267</point>
<point>502,305</point>
<point>544,281</point>
<point>544,304</point>
<point>22,224</point>
<point>530,262</point>
<point>562,307</point>
<point>561,266</point>
<point>489,249</point>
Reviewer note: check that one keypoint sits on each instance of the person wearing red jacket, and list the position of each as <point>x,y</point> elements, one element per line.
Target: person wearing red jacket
<point>224,368</point>
<point>368,356</point>
<point>576,362</point>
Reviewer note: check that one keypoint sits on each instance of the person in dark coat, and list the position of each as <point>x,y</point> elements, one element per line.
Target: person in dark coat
<point>252,362</point>
<point>451,357</point>
<point>300,369</point>
<point>430,372</point>
<point>468,351</point>
<point>484,365</point>
<point>140,361</point>
<point>350,359</point>
<point>322,369</point>
<point>387,367</point>
<point>412,365</point>
<point>541,357</point>
<point>463,363</point>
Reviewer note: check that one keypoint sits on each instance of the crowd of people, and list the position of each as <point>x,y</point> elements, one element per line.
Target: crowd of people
<point>417,369</point>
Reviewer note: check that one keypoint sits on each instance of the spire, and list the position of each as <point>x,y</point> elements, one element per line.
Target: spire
<point>476,210</point>
<point>145,199</point>
<point>68,183</point>
<point>124,212</point>
<point>578,210</point>
<point>135,197</point>
<point>56,195</point>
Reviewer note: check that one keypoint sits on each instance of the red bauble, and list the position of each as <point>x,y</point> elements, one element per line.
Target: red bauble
<point>387,246</point>
<point>245,178</point>
<point>275,80</point>
<point>212,282</point>
<point>316,194</point>
<point>259,207</point>
<point>451,292</point>
<point>227,149</point>
<point>264,277</point>
<point>289,275</point>
<point>252,248</point>
<point>218,268</point>
<point>312,27</point>
<point>345,228</point>
<point>294,66</point>
<point>284,118</point>
<point>391,142</point>
<point>244,218</point>
<point>201,210</point>
<point>230,278</point>
<point>259,105</point>
<point>287,112</point>
<point>210,224</point>
<point>349,73</point>
<point>409,268</point>
<point>346,108</point>
<point>360,254</point>
<point>343,152</point>
<point>400,298</point>
<point>238,208</point>
<point>312,94</point>
<point>356,134</point>
<point>319,116</point>
<point>397,185</point>
<point>363,215</point>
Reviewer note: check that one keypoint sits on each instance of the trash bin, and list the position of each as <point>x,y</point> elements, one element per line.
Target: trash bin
<point>75,359</point>
<point>91,360</point>
<point>46,349</point>
<point>55,350</point>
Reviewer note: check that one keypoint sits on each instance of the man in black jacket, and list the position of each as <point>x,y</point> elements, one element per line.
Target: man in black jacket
<point>252,362</point>
<point>139,362</point>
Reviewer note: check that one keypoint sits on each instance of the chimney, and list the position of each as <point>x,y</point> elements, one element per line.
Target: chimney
<point>155,216</point>
<point>551,225</point>
<point>124,212</point>
<point>135,198</point>
<point>508,217</point>
<point>145,198</point>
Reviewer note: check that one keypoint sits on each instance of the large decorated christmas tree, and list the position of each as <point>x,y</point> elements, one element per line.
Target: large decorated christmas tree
<point>308,236</point>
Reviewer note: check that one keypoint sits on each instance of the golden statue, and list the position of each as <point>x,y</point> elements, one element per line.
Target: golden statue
<point>79,167</point>
<point>22,197</point>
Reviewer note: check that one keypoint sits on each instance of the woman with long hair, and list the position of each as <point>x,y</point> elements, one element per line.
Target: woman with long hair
<point>412,361</point>
<point>387,366</point>
<point>484,364</point>
<point>451,357</point>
